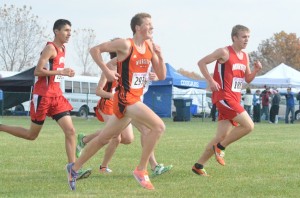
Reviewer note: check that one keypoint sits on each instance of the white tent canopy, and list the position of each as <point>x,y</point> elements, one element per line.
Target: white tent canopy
<point>280,76</point>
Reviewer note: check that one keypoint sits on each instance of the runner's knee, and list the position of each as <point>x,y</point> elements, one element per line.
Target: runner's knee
<point>249,127</point>
<point>70,131</point>
<point>127,140</point>
<point>160,128</point>
<point>32,136</point>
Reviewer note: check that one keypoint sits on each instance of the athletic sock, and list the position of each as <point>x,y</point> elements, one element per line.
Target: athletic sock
<point>198,166</point>
<point>220,146</point>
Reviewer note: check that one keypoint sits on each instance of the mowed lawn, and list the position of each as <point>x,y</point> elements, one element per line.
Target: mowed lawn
<point>265,163</point>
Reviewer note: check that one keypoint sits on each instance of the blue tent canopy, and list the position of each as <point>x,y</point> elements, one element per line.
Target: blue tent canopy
<point>176,79</point>
<point>160,93</point>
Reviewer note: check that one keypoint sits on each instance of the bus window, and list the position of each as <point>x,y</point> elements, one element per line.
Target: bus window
<point>85,87</point>
<point>93,87</point>
<point>76,87</point>
<point>68,86</point>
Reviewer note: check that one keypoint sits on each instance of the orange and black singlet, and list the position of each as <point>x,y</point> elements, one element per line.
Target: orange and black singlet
<point>133,71</point>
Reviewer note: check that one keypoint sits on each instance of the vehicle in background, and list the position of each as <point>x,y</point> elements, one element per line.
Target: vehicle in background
<point>80,91</point>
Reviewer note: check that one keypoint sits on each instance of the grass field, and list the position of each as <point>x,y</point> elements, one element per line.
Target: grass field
<point>265,163</point>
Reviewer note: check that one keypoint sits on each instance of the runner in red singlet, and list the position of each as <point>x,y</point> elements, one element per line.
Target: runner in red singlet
<point>47,98</point>
<point>231,70</point>
<point>134,57</point>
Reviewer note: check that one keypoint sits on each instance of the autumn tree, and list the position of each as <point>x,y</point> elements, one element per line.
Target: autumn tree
<point>83,40</point>
<point>21,38</point>
<point>280,48</point>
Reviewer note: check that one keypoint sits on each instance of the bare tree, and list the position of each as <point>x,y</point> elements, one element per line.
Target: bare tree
<point>21,35</point>
<point>83,40</point>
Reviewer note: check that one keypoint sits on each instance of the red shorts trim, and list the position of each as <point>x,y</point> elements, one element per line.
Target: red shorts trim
<point>229,110</point>
<point>42,106</point>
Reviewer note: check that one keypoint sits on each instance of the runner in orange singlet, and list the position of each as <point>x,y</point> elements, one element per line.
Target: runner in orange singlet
<point>134,57</point>
<point>231,70</point>
<point>104,111</point>
<point>47,99</point>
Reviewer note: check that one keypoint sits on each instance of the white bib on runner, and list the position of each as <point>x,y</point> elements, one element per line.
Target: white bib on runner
<point>138,80</point>
<point>237,84</point>
<point>58,78</point>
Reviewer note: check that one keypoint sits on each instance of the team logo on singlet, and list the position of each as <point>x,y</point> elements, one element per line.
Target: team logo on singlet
<point>61,60</point>
<point>239,66</point>
<point>142,62</point>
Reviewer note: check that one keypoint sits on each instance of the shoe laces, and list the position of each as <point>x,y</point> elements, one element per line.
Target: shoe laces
<point>158,168</point>
<point>82,144</point>
<point>144,175</point>
<point>204,171</point>
<point>74,174</point>
<point>221,153</point>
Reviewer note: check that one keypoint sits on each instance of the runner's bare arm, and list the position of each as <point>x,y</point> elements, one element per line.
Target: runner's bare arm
<point>48,53</point>
<point>157,61</point>
<point>250,75</point>
<point>221,55</point>
<point>119,46</point>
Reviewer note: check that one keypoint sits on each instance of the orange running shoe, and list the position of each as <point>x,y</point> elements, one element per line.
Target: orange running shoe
<point>219,154</point>
<point>143,179</point>
<point>200,171</point>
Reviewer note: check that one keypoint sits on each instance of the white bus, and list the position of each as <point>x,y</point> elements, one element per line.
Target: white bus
<point>81,93</point>
<point>79,90</point>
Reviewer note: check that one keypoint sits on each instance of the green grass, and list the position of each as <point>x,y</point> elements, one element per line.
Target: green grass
<point>263,164</point>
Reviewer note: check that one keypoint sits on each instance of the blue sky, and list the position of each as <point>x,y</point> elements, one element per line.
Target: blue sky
<point>186,30</point>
